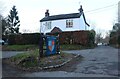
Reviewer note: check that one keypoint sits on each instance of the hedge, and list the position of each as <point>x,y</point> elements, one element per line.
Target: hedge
<point>85,38</point>
<point>114,38</point>
<point>82,37</point>
<point>22,39</point>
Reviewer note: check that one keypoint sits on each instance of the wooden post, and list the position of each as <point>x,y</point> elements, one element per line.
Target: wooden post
<point>58,44</point>
<point>41,43</point>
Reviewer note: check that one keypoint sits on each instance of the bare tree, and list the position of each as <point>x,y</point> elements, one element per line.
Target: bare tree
<point>107,38</point>
<point>98,38</point>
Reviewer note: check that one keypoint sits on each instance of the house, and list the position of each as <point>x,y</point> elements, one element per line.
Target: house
<point>64,22</point>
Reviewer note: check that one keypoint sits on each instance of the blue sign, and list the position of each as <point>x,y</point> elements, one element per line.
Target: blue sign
<point>51,45</point>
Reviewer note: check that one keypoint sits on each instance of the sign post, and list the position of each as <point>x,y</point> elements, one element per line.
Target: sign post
<point>41,43</point>
<point>51,43</point>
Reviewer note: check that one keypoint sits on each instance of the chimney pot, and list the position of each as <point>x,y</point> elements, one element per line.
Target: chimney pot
<point>47,13</point>
<point>81,9</point>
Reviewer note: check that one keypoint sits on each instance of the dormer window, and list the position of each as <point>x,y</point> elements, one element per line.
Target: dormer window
<point>69,23</point>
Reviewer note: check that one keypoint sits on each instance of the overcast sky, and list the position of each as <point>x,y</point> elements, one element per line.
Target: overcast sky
<point>100,14</point>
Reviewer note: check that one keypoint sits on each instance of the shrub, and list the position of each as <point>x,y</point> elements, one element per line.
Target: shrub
<point>91,38</point>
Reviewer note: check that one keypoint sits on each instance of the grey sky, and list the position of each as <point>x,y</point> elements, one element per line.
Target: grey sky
<point>31,11</point>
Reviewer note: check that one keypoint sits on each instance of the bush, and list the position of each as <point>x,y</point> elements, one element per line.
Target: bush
<point>114,38</point>
<point>91,38</point>
<point>119,40</point>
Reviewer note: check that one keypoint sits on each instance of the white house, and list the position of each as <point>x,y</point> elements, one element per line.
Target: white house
<point>65,22</point>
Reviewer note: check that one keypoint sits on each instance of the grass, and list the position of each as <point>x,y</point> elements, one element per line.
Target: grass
<point>74,47</point>
<point>30,59</point>
<point>33,53</point>
<point>33,47</point>
<point>26,59</point>
<point>19,47</point>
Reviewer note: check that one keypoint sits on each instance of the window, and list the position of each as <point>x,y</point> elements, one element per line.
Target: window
<point>48,25</point>
<point>69,23</point>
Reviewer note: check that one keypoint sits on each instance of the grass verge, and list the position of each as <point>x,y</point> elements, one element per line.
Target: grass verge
<point>34,47</point>
<point>18,47</point>
<point>31,60</point>
<point>75,47</point>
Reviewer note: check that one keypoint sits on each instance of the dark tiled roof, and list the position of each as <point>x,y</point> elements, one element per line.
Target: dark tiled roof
<point>85,20</point>
<point>62,16</point>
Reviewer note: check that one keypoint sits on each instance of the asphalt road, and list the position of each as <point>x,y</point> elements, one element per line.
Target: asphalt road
<point>7,54</point>
<point>99,62</point>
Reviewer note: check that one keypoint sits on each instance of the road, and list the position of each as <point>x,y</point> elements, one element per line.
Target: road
<point>7,54</point>
<point>99,62</point>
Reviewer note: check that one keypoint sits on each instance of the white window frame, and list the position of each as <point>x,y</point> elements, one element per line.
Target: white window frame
<point>69,23</point>
<point>48,25</point>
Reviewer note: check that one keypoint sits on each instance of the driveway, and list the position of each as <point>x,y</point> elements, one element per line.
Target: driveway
<point>99,62</point>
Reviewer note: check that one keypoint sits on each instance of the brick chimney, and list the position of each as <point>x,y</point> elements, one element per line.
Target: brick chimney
<point>47,13</point>
<point>80,9</point>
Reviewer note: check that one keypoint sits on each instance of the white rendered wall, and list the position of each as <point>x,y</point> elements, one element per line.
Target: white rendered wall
<point>78,24</point>
<point>82,25</point>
